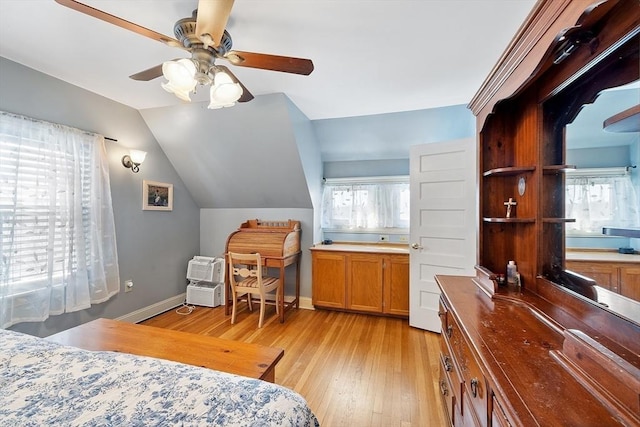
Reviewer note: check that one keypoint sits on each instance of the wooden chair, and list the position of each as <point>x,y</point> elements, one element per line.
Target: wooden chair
<point>245,276</point>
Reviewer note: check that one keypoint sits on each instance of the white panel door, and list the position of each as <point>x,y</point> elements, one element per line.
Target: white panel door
<point>443,230</point>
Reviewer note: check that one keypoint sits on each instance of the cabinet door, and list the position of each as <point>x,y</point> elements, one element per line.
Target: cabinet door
<point>630,282</point>
<point>396,285</point>
<point>364,282</point>
<point>328,271</point>
<point>604,274</point>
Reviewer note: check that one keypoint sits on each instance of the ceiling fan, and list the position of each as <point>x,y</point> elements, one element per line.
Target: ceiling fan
<point>203,35</point>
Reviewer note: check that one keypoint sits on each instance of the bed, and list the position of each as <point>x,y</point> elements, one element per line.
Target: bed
<point>46,383</point>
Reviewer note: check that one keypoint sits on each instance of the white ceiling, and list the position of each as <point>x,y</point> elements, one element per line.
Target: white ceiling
<point>370,57</point>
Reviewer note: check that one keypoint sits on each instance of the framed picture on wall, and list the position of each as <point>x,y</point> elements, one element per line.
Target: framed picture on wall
<point>157,196</point>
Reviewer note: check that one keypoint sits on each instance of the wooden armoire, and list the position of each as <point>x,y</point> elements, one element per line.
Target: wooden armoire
<point>546,352</point>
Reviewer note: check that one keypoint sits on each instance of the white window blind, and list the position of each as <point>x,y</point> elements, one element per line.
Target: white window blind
<point>366,204</point>
<point>600,197</point>
<point>57,236</point>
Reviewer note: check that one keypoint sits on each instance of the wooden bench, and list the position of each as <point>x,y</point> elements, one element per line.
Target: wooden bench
<point>249,360</point>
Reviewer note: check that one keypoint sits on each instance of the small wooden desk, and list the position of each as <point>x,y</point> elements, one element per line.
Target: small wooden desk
<point>278,243</point>
<point>249,360</point>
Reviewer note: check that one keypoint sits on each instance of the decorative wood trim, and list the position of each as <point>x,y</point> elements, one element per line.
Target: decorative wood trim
<point>524,57</point>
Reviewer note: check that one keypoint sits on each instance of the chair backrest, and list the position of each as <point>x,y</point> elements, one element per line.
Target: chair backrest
<point>244,266</point>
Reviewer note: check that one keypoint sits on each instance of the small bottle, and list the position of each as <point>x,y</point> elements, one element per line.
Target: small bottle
<point>512,270</point>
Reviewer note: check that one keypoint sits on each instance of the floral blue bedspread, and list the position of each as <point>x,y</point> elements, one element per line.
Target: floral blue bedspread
<point>46,384</point>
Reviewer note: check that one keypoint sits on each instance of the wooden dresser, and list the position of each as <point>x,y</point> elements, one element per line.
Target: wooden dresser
<point>547,353</point>
<point>514,359</point>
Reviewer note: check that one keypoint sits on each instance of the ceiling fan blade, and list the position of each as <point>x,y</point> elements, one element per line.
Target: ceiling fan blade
<point>149,74</point>
<point>246,95</point>
<point>212,20</point>
<point>122,23</point>
<point>263,61</point>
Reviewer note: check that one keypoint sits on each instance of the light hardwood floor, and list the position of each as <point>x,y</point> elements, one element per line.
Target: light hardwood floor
<point>354,370</point>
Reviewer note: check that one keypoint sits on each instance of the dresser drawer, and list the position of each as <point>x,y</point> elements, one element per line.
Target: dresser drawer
<point>474,386</point>
<point>451,371</point>
<point>448,398</point>
<point>498,418</point>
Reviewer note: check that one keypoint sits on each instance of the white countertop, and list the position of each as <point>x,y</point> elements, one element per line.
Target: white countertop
<point>383,248</point>
<point>605,256</point>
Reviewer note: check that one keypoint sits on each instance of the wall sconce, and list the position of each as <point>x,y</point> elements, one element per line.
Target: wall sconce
<point>133,160</point>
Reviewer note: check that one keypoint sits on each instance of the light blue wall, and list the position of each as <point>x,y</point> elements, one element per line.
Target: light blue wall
<point>389,136</point>
<point>311,160</point>
<point>153,247</point>
<point>355,168</point>
<point>600,157</point>
<point>379,146</point>
<point>241,157</point>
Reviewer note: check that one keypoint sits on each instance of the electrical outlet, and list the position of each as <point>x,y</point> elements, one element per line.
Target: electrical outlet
<point>404,239</point>
<point>383,238</point>
<point>128,285</point>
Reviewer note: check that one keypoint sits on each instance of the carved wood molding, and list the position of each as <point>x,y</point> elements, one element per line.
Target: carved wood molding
<point>524,56</point>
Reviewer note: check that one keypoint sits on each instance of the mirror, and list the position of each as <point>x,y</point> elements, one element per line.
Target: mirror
<point>602,192</point>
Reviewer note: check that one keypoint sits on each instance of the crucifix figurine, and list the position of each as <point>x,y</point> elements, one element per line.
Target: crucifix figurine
<point>509,204</point>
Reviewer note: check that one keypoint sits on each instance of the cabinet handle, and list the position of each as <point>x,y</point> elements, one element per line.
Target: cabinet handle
<point>474,387</point>
<point>447,364</point>
<point>449,331</point>
<point>443,388</point>
<point>415,246</point>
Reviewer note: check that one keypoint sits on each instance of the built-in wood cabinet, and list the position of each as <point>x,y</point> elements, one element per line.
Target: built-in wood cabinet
<point>396,285</point>
<point>619,277</point>
<point>329,279</point>
<point>364,284</point>
<point>361,281</point>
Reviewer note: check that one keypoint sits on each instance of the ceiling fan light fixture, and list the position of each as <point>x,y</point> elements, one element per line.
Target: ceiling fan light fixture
<point>224,92</point>
<point>181,77</point>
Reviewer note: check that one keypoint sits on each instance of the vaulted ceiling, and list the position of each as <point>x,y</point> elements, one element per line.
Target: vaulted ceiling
<point>370,56</point>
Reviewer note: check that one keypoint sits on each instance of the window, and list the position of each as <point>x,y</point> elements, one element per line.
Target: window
<point>366,204</point>
<point>57,235</point>
<point>599,198</point>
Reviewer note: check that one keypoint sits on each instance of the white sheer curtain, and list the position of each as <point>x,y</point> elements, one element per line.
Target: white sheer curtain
<point>57,234</point>
<point>600,201</point>
<point>364,206</point>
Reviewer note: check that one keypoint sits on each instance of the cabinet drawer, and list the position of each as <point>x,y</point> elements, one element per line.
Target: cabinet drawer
<point>474,387</point>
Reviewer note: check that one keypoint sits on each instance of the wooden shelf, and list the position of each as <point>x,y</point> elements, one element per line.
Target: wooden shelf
<point>558,220</point>
<point>512,220</point>
<point>625,121</point>
<point>555,169</point>
<point>511,170</point>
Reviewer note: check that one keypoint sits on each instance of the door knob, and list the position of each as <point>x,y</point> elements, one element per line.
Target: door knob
<point>415,246</point>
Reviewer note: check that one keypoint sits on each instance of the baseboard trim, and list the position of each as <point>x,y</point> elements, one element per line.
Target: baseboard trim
<point>153,310</point>
<point>305,302</point>
<point>160,307</point>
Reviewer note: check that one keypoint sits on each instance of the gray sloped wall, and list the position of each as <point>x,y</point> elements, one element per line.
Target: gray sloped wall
<point>153,247</point>
<point>240,157</point>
